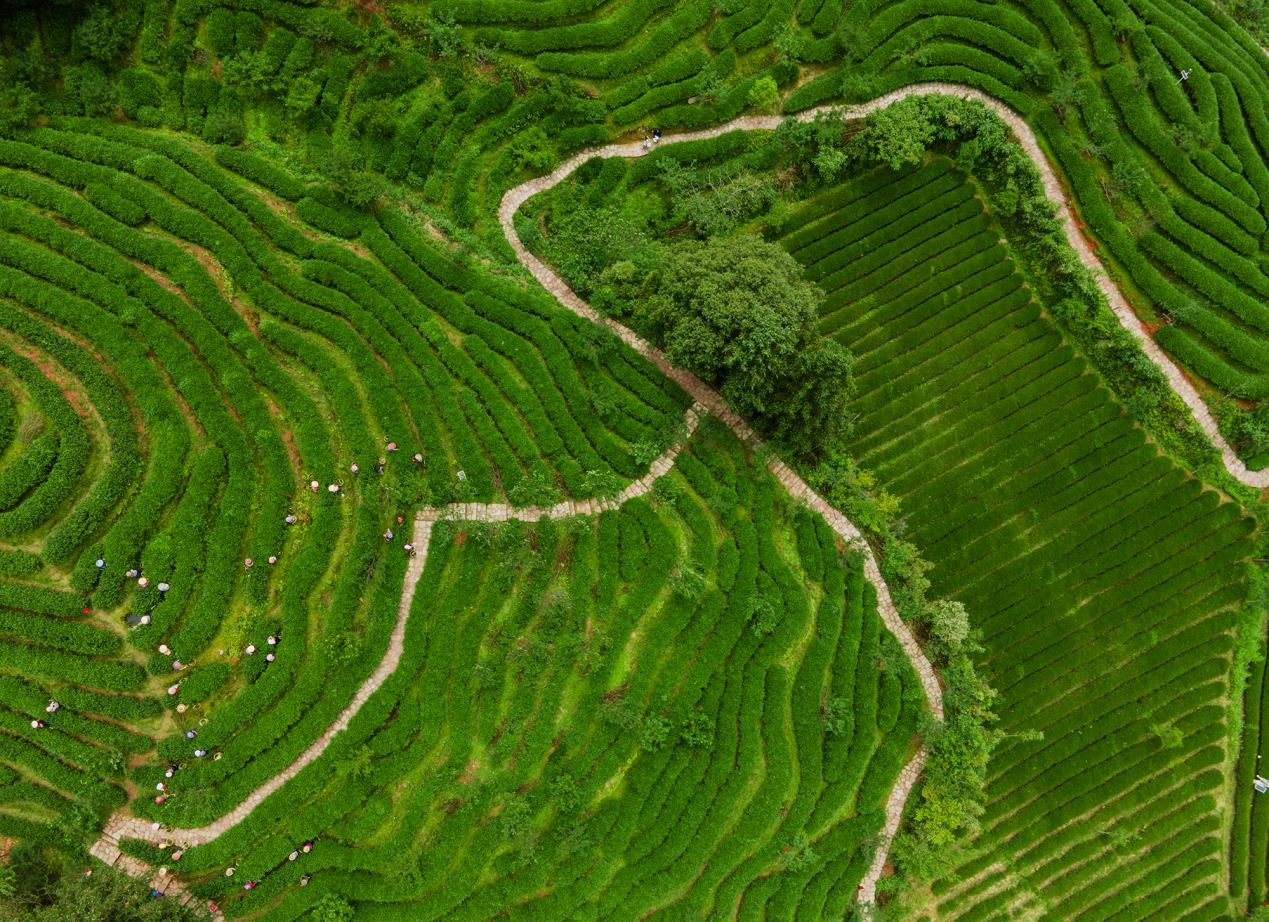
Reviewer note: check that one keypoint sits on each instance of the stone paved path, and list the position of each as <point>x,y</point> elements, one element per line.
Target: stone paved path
<point>711,400</point>
<point>106,850</point>
<point>1053,189</point>
<point>123,826</point>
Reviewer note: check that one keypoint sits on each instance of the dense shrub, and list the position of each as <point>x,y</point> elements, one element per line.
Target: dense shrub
<point>737,312</point>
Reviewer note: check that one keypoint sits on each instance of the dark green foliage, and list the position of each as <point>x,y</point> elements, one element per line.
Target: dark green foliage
<point>737,312</point>
<point>103,33</point>
<point>47,889</point>
<point>332,909</point>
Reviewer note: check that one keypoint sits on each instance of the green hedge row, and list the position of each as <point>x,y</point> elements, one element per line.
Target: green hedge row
<point>627,20</point>
<point>658,42</point>
<point>72,452</point>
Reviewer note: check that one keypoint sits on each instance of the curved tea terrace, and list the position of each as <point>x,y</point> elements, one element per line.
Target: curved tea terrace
<point>121,826</point>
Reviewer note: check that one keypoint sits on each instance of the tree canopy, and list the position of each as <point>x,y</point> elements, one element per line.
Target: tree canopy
<point>738,312</point>
<point>38,886</point>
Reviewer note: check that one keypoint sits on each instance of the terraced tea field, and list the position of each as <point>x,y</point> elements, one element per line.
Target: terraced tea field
<point>353,566</point>
<point>645,709</point>
<point>1104,579</point>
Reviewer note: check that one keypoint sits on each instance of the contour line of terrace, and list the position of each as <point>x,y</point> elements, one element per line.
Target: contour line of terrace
<point>706,400</point>
<point>121,826</point>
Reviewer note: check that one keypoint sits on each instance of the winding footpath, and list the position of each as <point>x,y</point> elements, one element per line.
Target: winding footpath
<point>706,400</point>
<point>1052,186</point>
<point>709,399</point>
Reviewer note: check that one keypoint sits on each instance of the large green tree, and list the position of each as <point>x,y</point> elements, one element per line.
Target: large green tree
<point>738,312</point>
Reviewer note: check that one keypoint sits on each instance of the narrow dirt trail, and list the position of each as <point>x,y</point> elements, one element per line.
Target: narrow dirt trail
<point>711,400</point>
<point>124,826</point>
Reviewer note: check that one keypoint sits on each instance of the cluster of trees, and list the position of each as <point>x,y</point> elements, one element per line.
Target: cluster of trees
<point>593,236</point>
<point>78,46</point>
<point>37,885</point>
<point>737,312</point>
<point>731,307</point>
